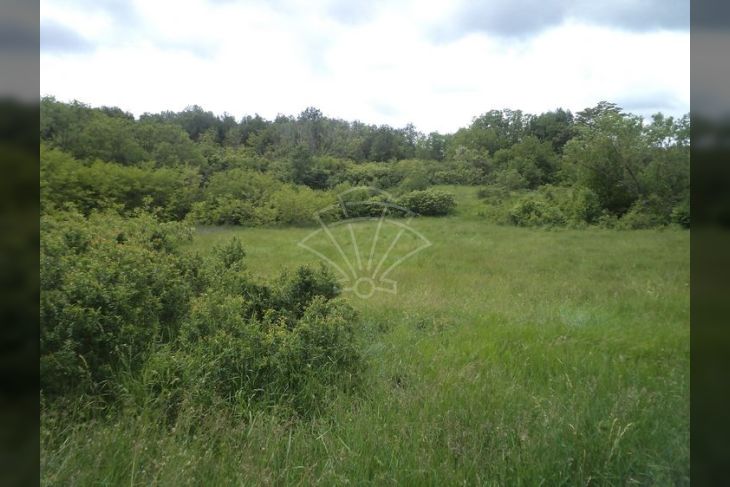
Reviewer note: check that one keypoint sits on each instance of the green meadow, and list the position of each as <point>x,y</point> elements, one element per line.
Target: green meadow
<point>507,356</point>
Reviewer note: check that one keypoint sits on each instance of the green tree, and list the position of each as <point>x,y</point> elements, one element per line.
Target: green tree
<point>534,161</point>
<point>608,156</point>
<point>556,127</point>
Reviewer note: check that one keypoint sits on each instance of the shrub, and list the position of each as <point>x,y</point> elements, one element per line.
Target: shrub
<point>372,174</point>
<point>510,179</point>
<point>236,197</point>
<point>581,206</point>
<point>430,202</point>
<point>295,353</point>
<point>230,253</point>
<point>413,174</point>
<point>295,293</point>
<point>492,193</point>
<point>102,185</point>
<point>640,216</point>
<point>456,172</point>
<point>646,213</point>
<point>415,181</point>
<point>607,220</point>
<point>362,202</point>
<point>298,205</point>
<point>110,289</point>
<point>124,312</point>
<point>555,206</point>
<point>535,210</point>
<point>228,210</point>
<point>248,363</point>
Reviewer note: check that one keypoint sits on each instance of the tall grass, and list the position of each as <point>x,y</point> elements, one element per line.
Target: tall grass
<point>508,357</point>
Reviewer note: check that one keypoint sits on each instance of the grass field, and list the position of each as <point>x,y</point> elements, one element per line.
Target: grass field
<point>508,356</point>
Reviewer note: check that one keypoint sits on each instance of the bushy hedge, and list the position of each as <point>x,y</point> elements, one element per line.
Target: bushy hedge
<point>576,207</point>
<point>228,210</point>
<point>101,185</point>
<point>298,205</point>
<point>126,313</point>
<point>455,172</point>
<point>238,195</point>
<point>407,174</point>
<point>364,202</point>
<point>429,202</point>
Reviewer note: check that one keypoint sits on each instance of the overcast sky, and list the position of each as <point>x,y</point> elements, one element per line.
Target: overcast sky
<point>434,64</point>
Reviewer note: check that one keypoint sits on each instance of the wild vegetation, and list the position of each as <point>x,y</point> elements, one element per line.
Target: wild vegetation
<point>186,339</point>
<point>600,167</point>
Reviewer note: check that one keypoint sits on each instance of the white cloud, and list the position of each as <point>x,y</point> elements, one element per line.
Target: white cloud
<point>281,57</point>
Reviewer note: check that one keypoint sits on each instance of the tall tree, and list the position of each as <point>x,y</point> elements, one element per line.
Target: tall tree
<point>608,156</point>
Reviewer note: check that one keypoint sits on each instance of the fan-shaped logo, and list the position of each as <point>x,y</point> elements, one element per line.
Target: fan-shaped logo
<point>364,238</point>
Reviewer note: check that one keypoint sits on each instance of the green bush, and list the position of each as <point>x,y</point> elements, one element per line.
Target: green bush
<point>456,172</point>
<point>581,206</point>
<point>110,289</point>
<point>230,253</point>
<point>294,293</point>
<point>299,204</point>
<point>430,202</point>
<point>229,210</point>
<point>493,193</point>
<point>362,202</point>
<point>607,220</point>
<point>643,214</point>
<point>535,210</point>
<point>290,345</point>
<point>510,179</point>
<point>415,182</point>
<point>553,206</point>
<point>101,185</point>
<point>413,174</point>
<point>372,174</point>
<point>125,314</point>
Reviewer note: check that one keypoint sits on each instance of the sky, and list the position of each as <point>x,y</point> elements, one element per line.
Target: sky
<point>434,64</point>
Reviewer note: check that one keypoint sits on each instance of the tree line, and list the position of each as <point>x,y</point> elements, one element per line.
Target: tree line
<point>609,166</point>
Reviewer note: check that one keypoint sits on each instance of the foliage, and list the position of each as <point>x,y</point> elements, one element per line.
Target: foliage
<point>530,161</point>
<point>226,356</point>
<point>208,169</point>
<point>298,205</point>
<point>110,289</point>
<point>645,213</point>
<point>630,167</point>
<point>122,308</point>
<point>550,206</point>
<point>510,179</point>
<point>101,185</point>
<point>456,172</point>
<point>236,197</point>
<point>200,357</point>
<point>430,202</point>
<point>229,210</point>
<point>113,135</point>
<point>536,210</point>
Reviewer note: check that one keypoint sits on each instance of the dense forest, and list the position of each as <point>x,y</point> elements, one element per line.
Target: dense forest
<point>600,166</point>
